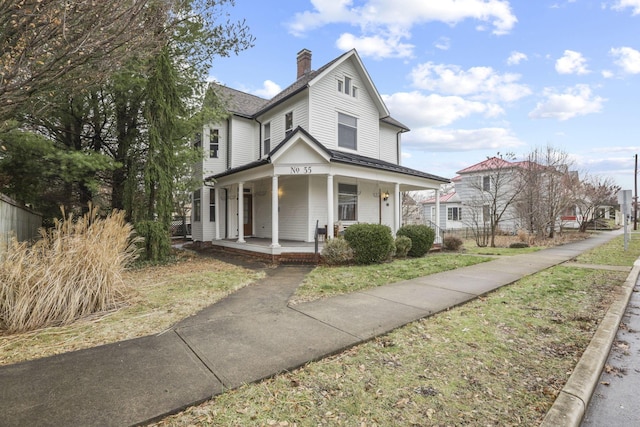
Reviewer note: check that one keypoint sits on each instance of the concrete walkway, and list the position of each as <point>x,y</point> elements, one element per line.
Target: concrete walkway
<point>248,336</point>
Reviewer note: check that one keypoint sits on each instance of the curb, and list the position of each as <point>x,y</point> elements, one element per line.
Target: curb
<point>572,401</point>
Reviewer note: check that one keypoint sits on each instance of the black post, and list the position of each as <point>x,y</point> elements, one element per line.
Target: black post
<point>635,199</point>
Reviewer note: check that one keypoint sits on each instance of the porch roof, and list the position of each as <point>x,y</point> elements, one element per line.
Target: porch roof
<point>335,157</point>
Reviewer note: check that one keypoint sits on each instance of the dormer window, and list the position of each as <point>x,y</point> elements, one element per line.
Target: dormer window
<point>346,86</point>
<point>288,122</point>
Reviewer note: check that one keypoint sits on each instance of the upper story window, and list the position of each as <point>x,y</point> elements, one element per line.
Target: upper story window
<point>347,131</point>
<point>486,183</point>
<point>197,142</point>
<point>346,86</point>
<point>347,202</point>
<point>214,140</point>
<point>288,122</point>
<point>267,138</point>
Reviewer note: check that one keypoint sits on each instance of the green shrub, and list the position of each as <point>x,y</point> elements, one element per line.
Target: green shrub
<point>421,236</point>
<point>156,245</point>
<point>371,243</point>
<point>452,243</point>
<point>337,251</point>
<point>519,245</point>
<point>403,245</point>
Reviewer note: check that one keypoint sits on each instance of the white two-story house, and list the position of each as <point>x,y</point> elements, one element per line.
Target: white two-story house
<point>324,152</point>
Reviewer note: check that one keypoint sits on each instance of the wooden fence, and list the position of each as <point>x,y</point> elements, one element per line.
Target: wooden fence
<point>17,220</point>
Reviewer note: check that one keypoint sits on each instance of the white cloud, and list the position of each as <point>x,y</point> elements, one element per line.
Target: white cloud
<point>627,58</point>
<point>481,83</point>
<point>607,74</point>
<point>395,18</point>
<point>269,90</point>
<point>516,57</point>
<point>623,4</point>
<point>418,110</point>
<point>434,140</point>
<point>572,62</point>
<point>575,101</point>
<point>443,43</point>
<point>376,47</point>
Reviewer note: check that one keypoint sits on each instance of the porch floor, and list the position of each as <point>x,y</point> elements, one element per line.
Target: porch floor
<point>289,250</point>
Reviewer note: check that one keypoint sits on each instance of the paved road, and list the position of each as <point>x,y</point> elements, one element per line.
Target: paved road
<point>615,402</point>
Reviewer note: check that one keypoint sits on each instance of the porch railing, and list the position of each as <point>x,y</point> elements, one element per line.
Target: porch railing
<point>439,232</point>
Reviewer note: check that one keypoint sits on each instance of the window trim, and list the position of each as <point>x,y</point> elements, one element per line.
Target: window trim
<point>214,143</point>
<point>197,202</point>
<point>288,123</point>
<point>343,126</point>
<point>266,141</point>
<point>350,193</point>
<point>450,213</point>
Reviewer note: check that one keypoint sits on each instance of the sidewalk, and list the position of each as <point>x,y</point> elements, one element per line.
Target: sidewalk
<point>248,336</point>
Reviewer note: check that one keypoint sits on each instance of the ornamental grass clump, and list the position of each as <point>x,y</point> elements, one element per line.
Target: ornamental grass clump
<point>75,269</point>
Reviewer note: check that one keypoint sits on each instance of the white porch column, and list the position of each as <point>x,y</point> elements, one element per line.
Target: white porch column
<point>397,207</point>
<point>329,206</point>
<point>437,217</point>
<point>216,212</point>
<point>241,212</point>
<point>275,219</point>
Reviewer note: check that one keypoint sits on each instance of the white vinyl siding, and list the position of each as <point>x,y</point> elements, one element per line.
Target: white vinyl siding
<point>327,102</point>
<point>294,208</point>
<point>244,140</point>
<point>389,143</point>
<point>298,106</point>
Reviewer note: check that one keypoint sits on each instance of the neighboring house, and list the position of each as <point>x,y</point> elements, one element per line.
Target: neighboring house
<point>324,151</point>
<point>450,216</point>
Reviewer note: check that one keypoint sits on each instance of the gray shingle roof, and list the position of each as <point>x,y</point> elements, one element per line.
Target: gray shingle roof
<point>339,157</point>
<point>238,102</point>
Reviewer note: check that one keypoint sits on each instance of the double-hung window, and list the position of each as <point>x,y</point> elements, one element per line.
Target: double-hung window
<point>288,122</point>
<point>347,202</point>
<point>214,140</point>
<point>347,131</point>
<point>196,206</point>
<point>267,138</point>
<point>486,183</point>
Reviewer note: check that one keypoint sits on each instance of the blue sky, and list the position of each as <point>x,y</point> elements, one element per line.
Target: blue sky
<point>470,77</point>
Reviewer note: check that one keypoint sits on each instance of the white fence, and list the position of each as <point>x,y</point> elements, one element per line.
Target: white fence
<point>17,220</point>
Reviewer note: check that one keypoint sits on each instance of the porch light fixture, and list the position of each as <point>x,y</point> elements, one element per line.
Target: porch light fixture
<point>385,196</point>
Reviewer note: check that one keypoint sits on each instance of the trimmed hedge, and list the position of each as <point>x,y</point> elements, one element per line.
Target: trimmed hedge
<point>422,238</point>
<point>371,243</point>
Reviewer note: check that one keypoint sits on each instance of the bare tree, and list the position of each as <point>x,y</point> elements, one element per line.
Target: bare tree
<point>590,194</point>
<point>52,44</point>
<point>544,191</point>
<point>411,207</point>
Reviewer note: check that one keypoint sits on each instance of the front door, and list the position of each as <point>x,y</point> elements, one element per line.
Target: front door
<point>248,215</point>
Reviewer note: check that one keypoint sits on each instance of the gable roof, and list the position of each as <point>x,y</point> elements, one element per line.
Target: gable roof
<point>251,106</point>
<point>334,156</point>
<point>491,163</point>
<point>449,197</point>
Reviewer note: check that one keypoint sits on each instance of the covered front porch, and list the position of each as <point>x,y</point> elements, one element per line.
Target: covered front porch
<point>291,251</point>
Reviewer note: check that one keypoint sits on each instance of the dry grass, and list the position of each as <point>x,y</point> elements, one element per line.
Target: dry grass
<point>74,270</point>
<point>160,296</point>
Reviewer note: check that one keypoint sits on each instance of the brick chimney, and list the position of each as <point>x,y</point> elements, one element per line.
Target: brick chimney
<point>304,62</point>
